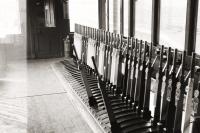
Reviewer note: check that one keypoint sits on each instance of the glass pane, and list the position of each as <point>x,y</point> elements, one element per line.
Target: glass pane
<point>143,20</point>
<point>197,50</point>
<point>49,13</point>
<point>10,18</point>
<point>83,12</point>
<point>126,2</point>
<point>117,16</point>
<point>114,15</point>
<point>173,19</point>
<point>111,15</point>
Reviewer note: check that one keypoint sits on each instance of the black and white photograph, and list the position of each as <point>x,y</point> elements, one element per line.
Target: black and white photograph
<point>99,66</point>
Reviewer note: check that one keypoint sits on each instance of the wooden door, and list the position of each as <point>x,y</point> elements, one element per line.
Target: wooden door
<point>46,38</point>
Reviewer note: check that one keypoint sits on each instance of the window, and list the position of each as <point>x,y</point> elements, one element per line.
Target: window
<point>126,3</point>
<point>173,20</point>
<point>143,19</point>
<point>197,50</point>
<point>111,15</point>
<point>114,16</point>
<point>84,12</point>
<point>10,17</point>
<point>107,15</point>
<point>49,13</point>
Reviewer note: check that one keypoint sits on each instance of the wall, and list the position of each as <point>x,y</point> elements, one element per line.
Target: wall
<point>13,46</point>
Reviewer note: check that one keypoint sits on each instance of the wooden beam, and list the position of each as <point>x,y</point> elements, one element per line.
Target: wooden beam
<point>191,26</point>
<point>131,18</point>
<point>155,31</point>
<point>102,14</point>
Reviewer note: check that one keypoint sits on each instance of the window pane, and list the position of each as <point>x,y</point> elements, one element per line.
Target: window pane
<point>114,15</point>
<point>49,13</point>
<point>117,16</point>
<point>143,20</point>
<point>111,15</point>
<point>173,19</point>
<point>10,17</point>
<point>126,2</point>
<point>83,12</point>
<point>198,34</point>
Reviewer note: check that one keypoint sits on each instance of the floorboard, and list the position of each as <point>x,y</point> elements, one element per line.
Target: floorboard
<point>32,100</point>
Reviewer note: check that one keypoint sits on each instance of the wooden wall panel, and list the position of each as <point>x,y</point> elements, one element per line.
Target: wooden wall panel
<point>45,41</point>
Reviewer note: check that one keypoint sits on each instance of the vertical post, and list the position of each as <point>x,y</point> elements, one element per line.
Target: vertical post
<point>66,9</point>
<point>66,20</point>
<point>65,6</point>
<point>122,17</point>
<point>191,26</point>
<point>155,31</point>
<point>102,14</point>
<point>131,18</point>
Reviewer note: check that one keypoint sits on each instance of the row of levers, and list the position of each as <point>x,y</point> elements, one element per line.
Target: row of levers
<point>132,86</point>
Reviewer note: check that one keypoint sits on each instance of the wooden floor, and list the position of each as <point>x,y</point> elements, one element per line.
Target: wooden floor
<point>32,100</point>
